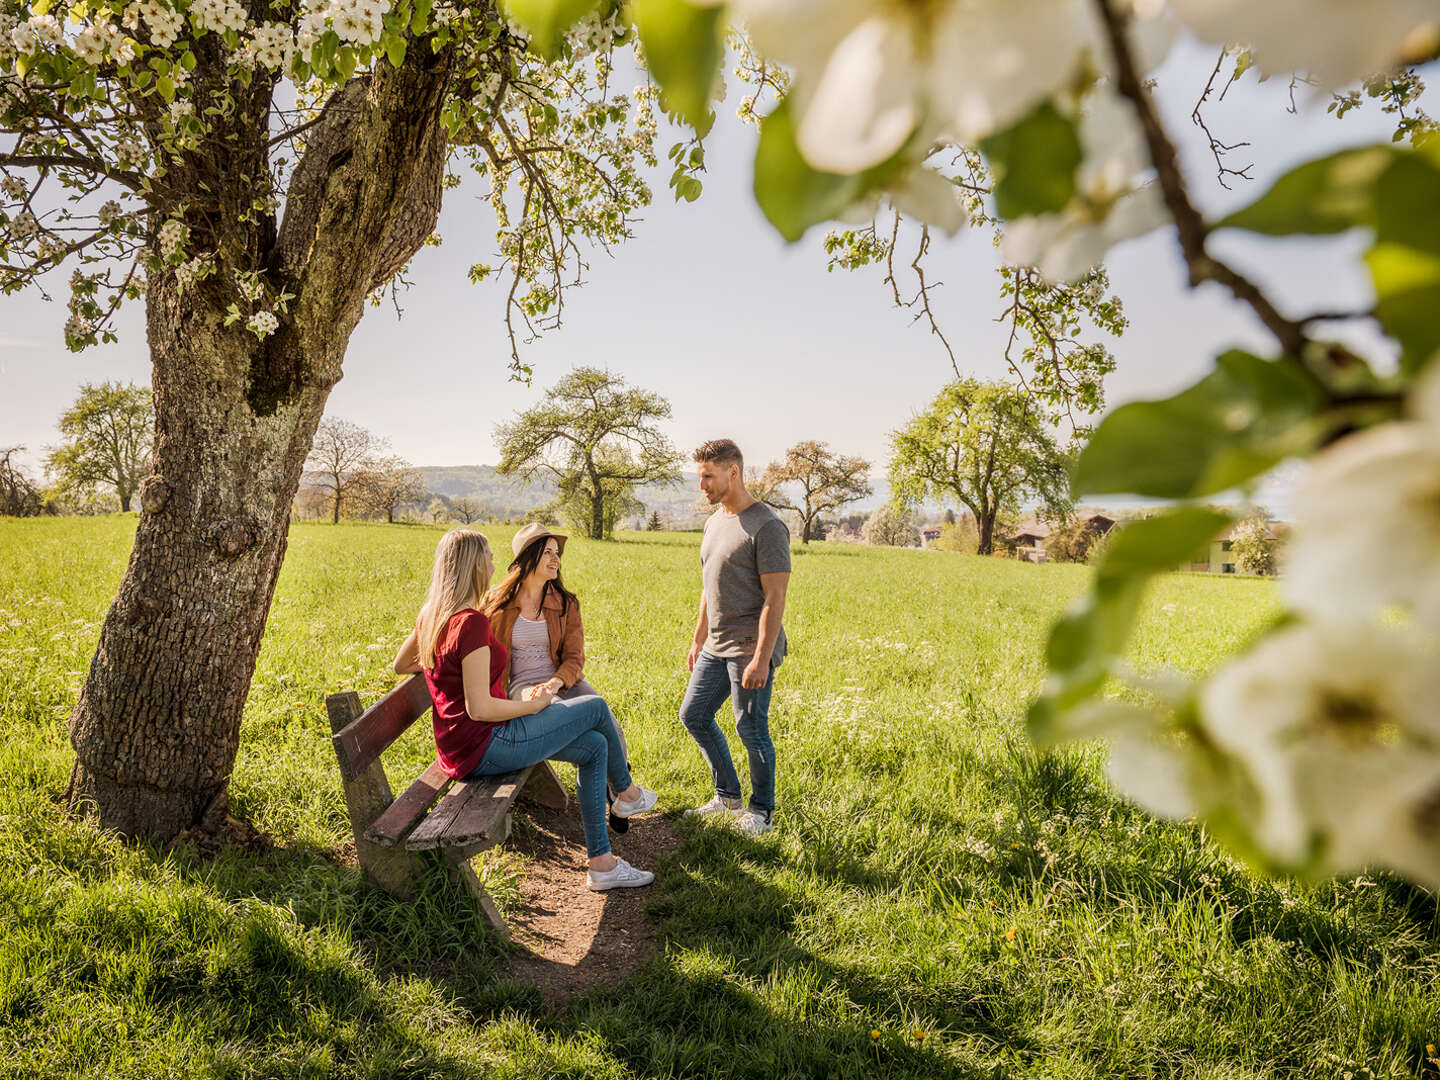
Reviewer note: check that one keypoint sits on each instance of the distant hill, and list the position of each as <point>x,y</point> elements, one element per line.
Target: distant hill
<point>504,497</point>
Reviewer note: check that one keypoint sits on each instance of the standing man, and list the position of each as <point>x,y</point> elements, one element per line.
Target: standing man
<point>739,642</point>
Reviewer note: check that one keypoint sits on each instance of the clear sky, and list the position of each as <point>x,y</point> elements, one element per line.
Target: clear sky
<point>749,337</point>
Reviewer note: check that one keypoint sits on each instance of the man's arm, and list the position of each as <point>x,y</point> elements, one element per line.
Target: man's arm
<point>702,631</point>
<point>757,672</point>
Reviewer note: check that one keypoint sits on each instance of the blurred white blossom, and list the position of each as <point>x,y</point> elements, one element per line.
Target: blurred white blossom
<point>1113,201</point>
<point>1336,41</point>
<point>1367,520</point>
<point>1336,725</point>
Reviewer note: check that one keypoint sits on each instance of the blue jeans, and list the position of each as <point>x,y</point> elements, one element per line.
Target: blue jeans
<point>580,731</point>
<point>713,679</point>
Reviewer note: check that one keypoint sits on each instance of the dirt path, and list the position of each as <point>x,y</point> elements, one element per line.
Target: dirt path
<point>568,939</point>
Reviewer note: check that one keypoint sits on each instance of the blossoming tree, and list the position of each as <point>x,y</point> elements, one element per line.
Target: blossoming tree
<point>1317,749</point>
<point>255,171</point>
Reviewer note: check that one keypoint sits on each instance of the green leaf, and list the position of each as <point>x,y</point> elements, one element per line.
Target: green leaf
<point>683,49</point>
<point>1325,196</point>
<point>795,196</point>
<point>1407,290</point>
<point>1240,420</point>
<point>1034,163</point>
<point>345,62</point>
<point>547,20</point>
<point>166,86</point>
<point>421,16</point>
<point>1087,640</point>
<point>395,50</point>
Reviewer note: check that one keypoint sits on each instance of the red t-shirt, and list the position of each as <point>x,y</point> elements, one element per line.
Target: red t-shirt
<point>459,741</point>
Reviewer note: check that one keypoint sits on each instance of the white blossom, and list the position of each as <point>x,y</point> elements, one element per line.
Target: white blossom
<point>1367,520</point>
<point>273,45</point>
<point>129,154</point>
<point>262,324</point>
<point>196,269</point>
<point>181,108</point>
<point>1336,41</point>
<point>869,76</point>
<point>250,286</point>
<point>1337,727</point>
<point>12,187</point>
<point>218,15</point>
<point>23,225</point>
<point>172,237</point>
<point>24,39</point>
<point>47,29</point>
<point>109,213</point>
<point>90,44</point>
<point>8,23</point>
<point>1111,203</point>
<point>163,23</point>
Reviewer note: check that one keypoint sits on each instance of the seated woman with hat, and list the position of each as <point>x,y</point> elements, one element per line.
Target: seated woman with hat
<point>538,620</point>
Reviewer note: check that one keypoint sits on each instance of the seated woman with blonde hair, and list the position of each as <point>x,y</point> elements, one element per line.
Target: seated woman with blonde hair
<point>479,731</point>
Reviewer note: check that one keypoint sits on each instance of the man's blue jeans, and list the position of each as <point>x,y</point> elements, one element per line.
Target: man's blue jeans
<point>581,731</point>
<point>713,679</point>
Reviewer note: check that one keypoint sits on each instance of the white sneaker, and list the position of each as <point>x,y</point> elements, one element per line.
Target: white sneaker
<point>620,876</point>
<point>623,808</point>
<point>753,822</point>
<point>717,806</point>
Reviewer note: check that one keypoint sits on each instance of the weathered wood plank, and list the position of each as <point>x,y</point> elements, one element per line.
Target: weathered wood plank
<point>408,810</point>
<point>361,742</point>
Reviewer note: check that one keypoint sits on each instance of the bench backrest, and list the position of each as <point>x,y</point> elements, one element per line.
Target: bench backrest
<point>364,739</point>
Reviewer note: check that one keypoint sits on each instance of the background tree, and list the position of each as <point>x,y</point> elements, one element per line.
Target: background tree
<point>986,445</point>
<point>439,510</point>
<point>383,485</point>
<point>1254,547</point>
<point>466,509</point>
<point>340,455</point>
<point>597,437</point>
<point>19,497</point>
<point>107,433</point>
<point>891,525</point>
<point>825,481</point>
<point>1071,541</point>
<point>958,536</point>
<point>656,522</point>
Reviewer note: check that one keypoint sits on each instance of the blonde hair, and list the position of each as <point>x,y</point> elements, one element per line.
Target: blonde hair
<point>455,584</point>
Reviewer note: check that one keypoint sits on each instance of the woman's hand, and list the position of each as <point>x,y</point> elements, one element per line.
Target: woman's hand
<point>541,697</point>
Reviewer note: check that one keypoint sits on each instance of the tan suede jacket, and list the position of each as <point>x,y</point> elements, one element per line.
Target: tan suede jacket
<point>567,636</point>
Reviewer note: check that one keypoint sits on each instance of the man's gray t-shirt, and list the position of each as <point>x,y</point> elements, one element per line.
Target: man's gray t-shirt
<point>735,551</point>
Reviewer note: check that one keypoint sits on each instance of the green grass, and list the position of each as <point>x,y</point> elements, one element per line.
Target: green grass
<point>917,831</point>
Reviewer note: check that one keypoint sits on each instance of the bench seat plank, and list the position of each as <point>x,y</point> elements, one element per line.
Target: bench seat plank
<point>408,810</point>
<point>471,809</point>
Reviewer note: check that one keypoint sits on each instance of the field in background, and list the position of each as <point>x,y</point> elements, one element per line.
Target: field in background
<point>985,911</point>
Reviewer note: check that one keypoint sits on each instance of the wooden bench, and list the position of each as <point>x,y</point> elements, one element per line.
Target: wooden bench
<point>391,833</point>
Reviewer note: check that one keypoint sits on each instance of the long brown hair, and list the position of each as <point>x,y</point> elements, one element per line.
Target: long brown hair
<point>503,595</point>
<point>455,584</point>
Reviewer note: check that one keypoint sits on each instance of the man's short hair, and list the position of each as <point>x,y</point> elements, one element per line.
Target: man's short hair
<point>721,452</point>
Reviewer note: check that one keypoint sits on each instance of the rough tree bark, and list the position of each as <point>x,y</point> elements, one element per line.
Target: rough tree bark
<point>157,724</point>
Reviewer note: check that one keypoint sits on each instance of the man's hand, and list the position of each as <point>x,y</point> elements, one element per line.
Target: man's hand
<point>693,656</point>
<point>756,674</point>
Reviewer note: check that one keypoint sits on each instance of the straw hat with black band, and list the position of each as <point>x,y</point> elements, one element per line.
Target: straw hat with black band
<point>532,532</point>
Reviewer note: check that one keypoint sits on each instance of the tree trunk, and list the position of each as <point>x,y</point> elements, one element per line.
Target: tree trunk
<point>157,724</point>
<point>597,516</point>
<point>125,502</point>
<point>158,721</point>
<point>986,545</point>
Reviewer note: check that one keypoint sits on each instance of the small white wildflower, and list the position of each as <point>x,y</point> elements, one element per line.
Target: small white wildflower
<point>262,324</point>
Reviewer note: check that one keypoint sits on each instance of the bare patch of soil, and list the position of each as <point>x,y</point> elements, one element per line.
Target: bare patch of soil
<point>568,939</point>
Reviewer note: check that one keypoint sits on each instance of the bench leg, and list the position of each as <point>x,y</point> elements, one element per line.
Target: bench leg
<point>544,787</point>
<point>462,872</point>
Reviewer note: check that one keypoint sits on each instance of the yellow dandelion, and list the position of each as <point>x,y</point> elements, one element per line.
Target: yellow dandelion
<point>1430,1049</point>
<point>919,1033</point>
<point>1010,934</point>
<point>874,1034</point>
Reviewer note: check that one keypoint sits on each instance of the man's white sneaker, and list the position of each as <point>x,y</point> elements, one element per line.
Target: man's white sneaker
<point>623,808</point>
<point>717,805</point>
<point>621,876</point>
<point>753,822</point>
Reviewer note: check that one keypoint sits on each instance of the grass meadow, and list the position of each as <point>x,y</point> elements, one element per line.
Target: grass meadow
<point>936,901</point>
